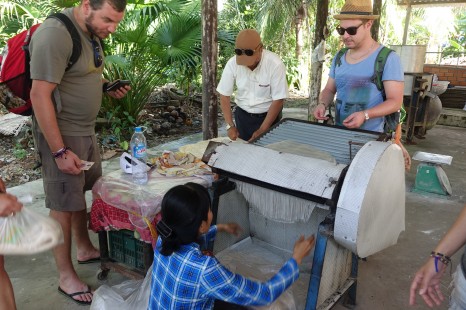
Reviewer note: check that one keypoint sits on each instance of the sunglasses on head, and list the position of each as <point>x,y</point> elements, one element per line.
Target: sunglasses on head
<point>247,52</point>
<point>97,55</point>
<point>350,30</point>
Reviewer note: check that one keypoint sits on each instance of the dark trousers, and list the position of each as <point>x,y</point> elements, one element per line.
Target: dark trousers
<point>247,123</point>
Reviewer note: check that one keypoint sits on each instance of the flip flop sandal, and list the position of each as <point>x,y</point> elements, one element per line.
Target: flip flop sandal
<point>89,261</point>
<point>70,296</point>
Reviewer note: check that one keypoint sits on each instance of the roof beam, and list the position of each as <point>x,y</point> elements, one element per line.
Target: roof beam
<point>429,2</point>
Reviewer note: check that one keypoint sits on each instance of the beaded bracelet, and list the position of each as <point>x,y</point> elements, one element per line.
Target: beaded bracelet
<point>446,260</point>
<point>61,152</point>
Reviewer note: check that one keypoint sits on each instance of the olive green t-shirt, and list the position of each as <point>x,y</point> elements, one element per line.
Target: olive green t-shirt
<point>79,94</point>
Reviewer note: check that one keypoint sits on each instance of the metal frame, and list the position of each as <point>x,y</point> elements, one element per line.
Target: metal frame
<point>325,231</point>
<point>350,287</point>
<point>416,110</point>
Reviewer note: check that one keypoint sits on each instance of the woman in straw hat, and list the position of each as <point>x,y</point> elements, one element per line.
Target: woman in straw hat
<point>359,104</point>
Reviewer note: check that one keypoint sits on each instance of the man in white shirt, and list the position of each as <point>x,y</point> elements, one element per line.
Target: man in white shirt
<point>261,88</point>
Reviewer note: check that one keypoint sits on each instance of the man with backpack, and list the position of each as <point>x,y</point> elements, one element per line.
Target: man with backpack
<point>360,103</point>
<point>65,102</point>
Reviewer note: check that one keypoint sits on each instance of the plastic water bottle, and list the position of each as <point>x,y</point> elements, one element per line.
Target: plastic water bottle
<point>138,146</point>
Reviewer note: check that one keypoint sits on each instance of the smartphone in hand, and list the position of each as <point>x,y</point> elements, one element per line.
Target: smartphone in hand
<point>117,84</point>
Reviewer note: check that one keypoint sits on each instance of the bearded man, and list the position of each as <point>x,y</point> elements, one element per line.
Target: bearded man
<point>66,101</point>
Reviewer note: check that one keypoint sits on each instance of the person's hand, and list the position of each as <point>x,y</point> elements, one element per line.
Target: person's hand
<point>119,92</point>
<point>355,120</point>
<point>69,163</point>
<point>319,112</point>
<point>428,283</point>
<point>256,134</point>
<point>302,247</point>
<point>233,133</point>
<point>231,228</point>
<point>9,205</point>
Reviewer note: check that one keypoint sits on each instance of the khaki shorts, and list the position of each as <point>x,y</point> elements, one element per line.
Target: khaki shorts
<point>65,192</point>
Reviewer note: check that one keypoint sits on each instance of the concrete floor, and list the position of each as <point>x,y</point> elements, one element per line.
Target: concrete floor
<point>383,281</point>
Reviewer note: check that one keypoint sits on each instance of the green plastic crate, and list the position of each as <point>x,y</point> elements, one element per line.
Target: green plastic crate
<point>124,248</point>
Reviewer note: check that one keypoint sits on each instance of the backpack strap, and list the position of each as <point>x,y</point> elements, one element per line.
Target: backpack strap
<point>338,58</point>
<point>74,36</point>
<point>392,120</point>
<point>379,65</point>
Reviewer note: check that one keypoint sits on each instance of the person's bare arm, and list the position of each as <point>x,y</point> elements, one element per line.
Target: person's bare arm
<point>426,282</point>
<point>302,248</point>
<point>272,114</point>
<point>44,112</point>
<point>231,228</point>
<point>2,186</point>
<point>394,99</point>
<point>325,99</point>
<point>228,116</point>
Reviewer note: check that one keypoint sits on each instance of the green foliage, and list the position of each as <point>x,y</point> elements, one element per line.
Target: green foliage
<point>153,45</point>
<point>239,14</point>
<point>159,41</point>
<point>120,125</point>
<point>19,152</point>
<point>292,72</point>
<point>457,39</point>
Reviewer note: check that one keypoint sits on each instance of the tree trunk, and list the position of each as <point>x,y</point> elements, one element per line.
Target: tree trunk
<point>301,16</point>
<point>209,69</point>
<point>376,25</point>
<point>320,35</point>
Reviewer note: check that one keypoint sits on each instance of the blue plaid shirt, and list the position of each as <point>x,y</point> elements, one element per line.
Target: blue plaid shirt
<point>187,279</point>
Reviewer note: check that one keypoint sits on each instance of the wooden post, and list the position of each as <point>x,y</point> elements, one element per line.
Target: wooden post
<point>407,20</point>
<point>375,27</point>
<point>316,66</point>
<point>209,69</point>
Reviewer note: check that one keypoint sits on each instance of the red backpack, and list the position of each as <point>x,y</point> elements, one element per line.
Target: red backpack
<point>15,78</point>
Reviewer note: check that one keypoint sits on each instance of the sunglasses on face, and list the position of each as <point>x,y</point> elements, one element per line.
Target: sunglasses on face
<point>247,52</point>
<point>350,30</point>
<point>97,55</point>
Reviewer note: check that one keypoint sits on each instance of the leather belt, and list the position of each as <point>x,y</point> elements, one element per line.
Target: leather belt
<point>258,115</point>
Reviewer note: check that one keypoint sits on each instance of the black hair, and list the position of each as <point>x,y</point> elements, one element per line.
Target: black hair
<point>184,207</point>
<point>118,5</point>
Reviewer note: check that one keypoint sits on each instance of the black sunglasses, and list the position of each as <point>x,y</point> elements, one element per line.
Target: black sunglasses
<point>350,30</point>
<point>247,52</point>
<point>97,55</point>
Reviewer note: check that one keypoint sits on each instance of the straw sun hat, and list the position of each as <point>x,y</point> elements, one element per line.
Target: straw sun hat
<point>356,9</point>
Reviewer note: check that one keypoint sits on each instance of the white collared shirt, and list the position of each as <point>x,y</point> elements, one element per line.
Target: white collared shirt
<point>255,89</point>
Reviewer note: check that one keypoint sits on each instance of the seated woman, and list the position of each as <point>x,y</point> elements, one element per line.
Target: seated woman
<point>184,278</point>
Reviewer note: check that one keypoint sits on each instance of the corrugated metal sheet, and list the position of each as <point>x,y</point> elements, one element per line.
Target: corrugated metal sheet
<point>341,143</point>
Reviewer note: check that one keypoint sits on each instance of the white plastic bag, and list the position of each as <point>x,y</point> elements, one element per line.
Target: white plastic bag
<point>141,202</point>
<point>28,232</point>
<point>131,294</point>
